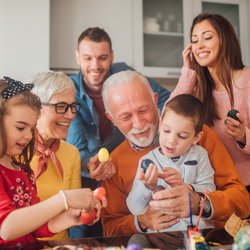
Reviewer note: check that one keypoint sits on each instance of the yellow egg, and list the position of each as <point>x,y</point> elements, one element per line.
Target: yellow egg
<point>103,155</point>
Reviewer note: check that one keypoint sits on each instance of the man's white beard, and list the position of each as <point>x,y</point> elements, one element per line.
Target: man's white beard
<point>142,142</point>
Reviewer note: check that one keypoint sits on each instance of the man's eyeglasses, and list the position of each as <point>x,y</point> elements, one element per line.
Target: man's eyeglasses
<point>62,107</point>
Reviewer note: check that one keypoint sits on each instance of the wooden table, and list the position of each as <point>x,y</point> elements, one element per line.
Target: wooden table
<point>166,241</point>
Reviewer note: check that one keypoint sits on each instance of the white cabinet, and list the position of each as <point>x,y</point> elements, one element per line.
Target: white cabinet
<point>69,18</point>
<point>236,11</point>
<point>161,30</point>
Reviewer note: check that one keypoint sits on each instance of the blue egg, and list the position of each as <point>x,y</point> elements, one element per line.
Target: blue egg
<point>145,164</point>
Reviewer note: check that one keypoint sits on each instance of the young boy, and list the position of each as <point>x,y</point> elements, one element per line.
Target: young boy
<point>177,161</point>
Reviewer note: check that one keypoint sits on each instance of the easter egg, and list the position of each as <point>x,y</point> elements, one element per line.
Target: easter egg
<point>145,164</point>
<point>232,113</point>
<point>88,218</point>
<point>103,155</point>
<point>99,193</point>
<point>134,246</point>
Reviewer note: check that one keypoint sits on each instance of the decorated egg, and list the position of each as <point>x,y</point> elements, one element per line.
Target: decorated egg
<point>145,164</point>
<point>103,155</point>
<point>232,113</point>
<point>99,193</point>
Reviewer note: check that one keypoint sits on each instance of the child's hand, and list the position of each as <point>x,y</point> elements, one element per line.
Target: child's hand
<point>81,198</point>
<point>74,214</point>
<point>150,177</point>
<point>93,215</point>
<point>66,219</point>
<point>235,128</point>
<point>172,177</point>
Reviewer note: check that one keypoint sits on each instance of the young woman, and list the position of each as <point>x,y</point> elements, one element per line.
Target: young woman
<point>214,72</point>
<point>19,111</point>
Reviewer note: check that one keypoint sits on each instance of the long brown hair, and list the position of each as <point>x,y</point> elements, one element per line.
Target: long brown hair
<point>23,98</point>
<point>229,59</point>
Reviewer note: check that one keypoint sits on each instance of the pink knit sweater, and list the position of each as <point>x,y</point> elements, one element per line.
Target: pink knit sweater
<point>241,90</point>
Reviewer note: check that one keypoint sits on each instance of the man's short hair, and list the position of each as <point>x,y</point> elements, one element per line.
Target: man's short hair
<point>95,34</point>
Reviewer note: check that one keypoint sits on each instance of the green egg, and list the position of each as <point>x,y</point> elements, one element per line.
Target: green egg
<point>232,113</point>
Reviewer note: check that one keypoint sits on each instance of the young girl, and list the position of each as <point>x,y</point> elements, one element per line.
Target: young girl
<point>213,71</point>
<point>19,111</point>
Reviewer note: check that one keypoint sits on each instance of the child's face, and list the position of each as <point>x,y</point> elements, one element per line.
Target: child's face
<point>177,134</point>
<point>19,123</point>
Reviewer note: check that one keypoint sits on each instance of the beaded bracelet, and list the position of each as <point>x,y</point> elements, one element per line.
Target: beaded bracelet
<point>64,199</point>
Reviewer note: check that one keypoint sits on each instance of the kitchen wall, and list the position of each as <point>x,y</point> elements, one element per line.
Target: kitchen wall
<point>40,34</point>
<point>24,37</point>
<point>70,18</point>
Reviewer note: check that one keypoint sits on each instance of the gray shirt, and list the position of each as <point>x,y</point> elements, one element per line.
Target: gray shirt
<point>195,169</point>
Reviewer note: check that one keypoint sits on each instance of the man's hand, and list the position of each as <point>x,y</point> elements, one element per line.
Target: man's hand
<point>100,170</point>
<point>174,202</point>
<point>156,220</point>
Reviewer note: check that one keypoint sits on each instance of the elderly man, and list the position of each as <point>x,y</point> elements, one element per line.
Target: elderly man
<point>132,106</point>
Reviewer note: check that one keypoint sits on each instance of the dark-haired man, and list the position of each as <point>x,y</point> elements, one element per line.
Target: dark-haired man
<point>91,130</point>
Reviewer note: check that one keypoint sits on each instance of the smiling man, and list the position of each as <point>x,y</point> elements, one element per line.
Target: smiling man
<point>91,129</point>
<point>131,105</point>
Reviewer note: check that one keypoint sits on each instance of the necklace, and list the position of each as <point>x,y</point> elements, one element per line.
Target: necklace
<point>10,164</point>
<point>14,165</point>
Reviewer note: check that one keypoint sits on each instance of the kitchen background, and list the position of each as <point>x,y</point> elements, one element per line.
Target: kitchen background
<point>149,35</point>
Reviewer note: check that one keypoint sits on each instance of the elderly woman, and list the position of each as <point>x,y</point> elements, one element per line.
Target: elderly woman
<point>56,163</point>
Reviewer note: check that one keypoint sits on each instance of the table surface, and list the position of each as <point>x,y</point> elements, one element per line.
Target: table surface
<point>170,240</point>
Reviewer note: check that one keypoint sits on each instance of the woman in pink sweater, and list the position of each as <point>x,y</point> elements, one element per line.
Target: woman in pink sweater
<point>214,72</point>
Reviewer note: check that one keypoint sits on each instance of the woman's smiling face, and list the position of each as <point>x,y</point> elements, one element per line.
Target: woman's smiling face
<point>52,125</point>
<point>205,44</point>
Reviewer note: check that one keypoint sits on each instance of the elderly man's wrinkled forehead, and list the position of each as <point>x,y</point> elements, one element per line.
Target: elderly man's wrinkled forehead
<point>130,99</point>
<point>135,89</point>
<point>126,86</point>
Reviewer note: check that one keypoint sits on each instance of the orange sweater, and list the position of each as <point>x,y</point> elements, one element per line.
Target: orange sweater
<point>116,218</point>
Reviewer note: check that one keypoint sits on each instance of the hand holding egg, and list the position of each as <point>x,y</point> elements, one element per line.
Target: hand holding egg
<point>145,164</point>
<point>89,217</point>
<point>232,113</point>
